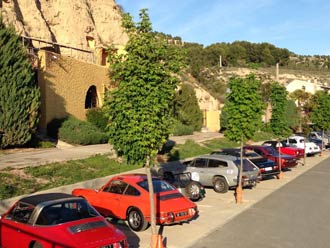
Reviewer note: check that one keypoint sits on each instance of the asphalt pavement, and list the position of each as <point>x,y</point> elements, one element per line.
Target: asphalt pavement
<point>215,210</point>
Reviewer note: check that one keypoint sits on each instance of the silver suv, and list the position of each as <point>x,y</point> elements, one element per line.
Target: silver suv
<point>221,172</point>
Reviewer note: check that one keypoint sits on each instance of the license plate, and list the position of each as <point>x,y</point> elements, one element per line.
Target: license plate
<point>268,168</point>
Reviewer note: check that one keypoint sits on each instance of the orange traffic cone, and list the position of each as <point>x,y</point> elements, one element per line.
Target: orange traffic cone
<point>157,241</point>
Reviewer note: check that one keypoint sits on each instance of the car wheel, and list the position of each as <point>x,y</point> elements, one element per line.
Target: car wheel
<point>220,185</point>
<point>136,220</point>
<point>36,245</point>
<point>193,191</point>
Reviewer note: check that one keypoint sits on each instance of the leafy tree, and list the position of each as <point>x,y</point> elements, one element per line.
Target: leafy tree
<point>139,108</point>
<point>186,108</point>
<point>304,104</point>
<point>320,115</point>
<point>278,121</point>
<point>292,115</point>
<point>243,108</point>
<point>19,94</point>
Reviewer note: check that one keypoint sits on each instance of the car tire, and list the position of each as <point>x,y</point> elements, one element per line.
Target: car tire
<point>136,220</point>
<point>36,245</point>
<point>193,191</point>
<point>220,185</point>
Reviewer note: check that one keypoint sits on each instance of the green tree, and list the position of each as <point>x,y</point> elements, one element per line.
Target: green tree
<point>320,115</point>
<point>19,94</point>
<point>243,107</point>
<point>278,121</point>
<point>140,107</point>
<point>292,115</point>
<point>186,108</point>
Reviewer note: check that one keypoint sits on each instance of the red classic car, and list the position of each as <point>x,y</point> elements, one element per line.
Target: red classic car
<point>126,197</point>
<point>271,153</point>
<point>57,220</point>
<point>284,148</point>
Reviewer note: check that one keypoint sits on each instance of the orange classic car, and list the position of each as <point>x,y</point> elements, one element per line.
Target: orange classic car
<point>126,197</point>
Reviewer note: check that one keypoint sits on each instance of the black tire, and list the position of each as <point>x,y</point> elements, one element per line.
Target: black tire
<point>136,220</point>
<point>220,185</point>
<point>36,245</point>
<point>193,191</point>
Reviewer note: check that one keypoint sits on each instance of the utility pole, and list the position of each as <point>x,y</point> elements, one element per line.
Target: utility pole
<point>277,72</point>
<point>220,63</point>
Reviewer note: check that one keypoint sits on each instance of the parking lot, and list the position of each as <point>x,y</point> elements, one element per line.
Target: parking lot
<point>217,209</point>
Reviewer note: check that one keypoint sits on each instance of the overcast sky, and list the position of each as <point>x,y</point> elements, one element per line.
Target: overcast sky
<point>302,26</point>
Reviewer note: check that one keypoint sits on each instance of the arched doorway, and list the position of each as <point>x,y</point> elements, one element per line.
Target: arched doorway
<point>91,98</point>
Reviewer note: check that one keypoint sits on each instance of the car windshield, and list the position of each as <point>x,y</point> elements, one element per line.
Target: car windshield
<point>247,165</point>
<point>65,211</point>
<point>159,185</point>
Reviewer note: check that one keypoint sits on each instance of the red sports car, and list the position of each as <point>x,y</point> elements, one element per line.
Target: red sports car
<point>271,153</point>
<point>57,220</point>
<point>284,148</point>
<point>126,197</point>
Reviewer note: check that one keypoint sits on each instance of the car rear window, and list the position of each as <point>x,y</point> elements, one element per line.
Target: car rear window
<point>158,185</point>
<point>247,165</point>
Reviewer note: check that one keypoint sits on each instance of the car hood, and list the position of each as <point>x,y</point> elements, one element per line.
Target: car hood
<point>95,232</point>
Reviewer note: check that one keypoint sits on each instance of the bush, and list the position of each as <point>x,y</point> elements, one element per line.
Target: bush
<point>74,131</point>
<point>97,117</point>
<point>181,129</point>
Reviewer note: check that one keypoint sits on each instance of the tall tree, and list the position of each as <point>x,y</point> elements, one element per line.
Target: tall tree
<point>279,101</point>
<point>320,115</point>
<point>186,108</point>
<point>140,107</point>
<point>19,94</point>
<point>243,107</point>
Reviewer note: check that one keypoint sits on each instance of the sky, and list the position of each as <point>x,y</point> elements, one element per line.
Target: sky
<point>301,26</point>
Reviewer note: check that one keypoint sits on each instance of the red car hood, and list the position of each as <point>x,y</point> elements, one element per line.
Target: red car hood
<point>95,232</point>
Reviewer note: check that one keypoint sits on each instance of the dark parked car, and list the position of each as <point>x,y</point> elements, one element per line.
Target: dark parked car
<point>266,166</point>
<point>285,148</point>
<point>271,153</point>
<point>191,189</point>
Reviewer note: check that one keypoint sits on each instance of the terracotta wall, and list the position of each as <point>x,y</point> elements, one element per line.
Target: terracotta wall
<point>64,82</point>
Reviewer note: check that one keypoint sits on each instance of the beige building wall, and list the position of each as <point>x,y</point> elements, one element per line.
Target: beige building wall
<point>210,108</point>
<point>64,84</point>
<point>213,120</point>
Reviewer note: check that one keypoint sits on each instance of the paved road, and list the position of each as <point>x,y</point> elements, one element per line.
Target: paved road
<point>297,215</point>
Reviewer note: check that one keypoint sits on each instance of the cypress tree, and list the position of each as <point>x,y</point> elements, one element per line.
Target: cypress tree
<point>19,95</point>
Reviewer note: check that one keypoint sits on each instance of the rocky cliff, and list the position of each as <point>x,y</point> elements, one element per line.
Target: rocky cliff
<point>66,22</point>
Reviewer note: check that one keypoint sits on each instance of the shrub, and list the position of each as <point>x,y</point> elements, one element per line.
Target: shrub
<point>181,129</point>
<point>97,117</point>
<point>75,131</point>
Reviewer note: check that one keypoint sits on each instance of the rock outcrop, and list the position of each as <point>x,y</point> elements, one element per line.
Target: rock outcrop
<point>66,22</point>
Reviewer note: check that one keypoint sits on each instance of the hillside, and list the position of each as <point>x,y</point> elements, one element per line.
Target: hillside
<point>69,23</point>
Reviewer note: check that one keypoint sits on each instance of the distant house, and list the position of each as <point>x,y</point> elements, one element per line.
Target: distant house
<point>308,86</point>
<point>210,107</point>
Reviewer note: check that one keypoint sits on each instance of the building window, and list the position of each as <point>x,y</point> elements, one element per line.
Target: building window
<point>91,98</point>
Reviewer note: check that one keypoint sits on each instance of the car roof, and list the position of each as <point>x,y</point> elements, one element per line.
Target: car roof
<point>133,177</point>
<point>216,156</point>
<point>40,198</point>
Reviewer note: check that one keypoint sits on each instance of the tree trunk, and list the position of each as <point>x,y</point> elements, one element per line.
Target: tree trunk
<point>151,198</point>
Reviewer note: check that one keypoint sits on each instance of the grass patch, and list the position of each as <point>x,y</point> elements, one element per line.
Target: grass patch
<point>15,182</point>
<point>28,180</point>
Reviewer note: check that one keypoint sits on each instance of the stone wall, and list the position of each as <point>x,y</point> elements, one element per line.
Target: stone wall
<point>64,82</point>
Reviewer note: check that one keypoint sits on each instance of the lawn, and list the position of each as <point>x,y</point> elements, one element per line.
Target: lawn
<point>19,181</point>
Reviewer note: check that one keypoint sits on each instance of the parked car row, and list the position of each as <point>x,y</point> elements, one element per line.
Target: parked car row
<point>79,219</point>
